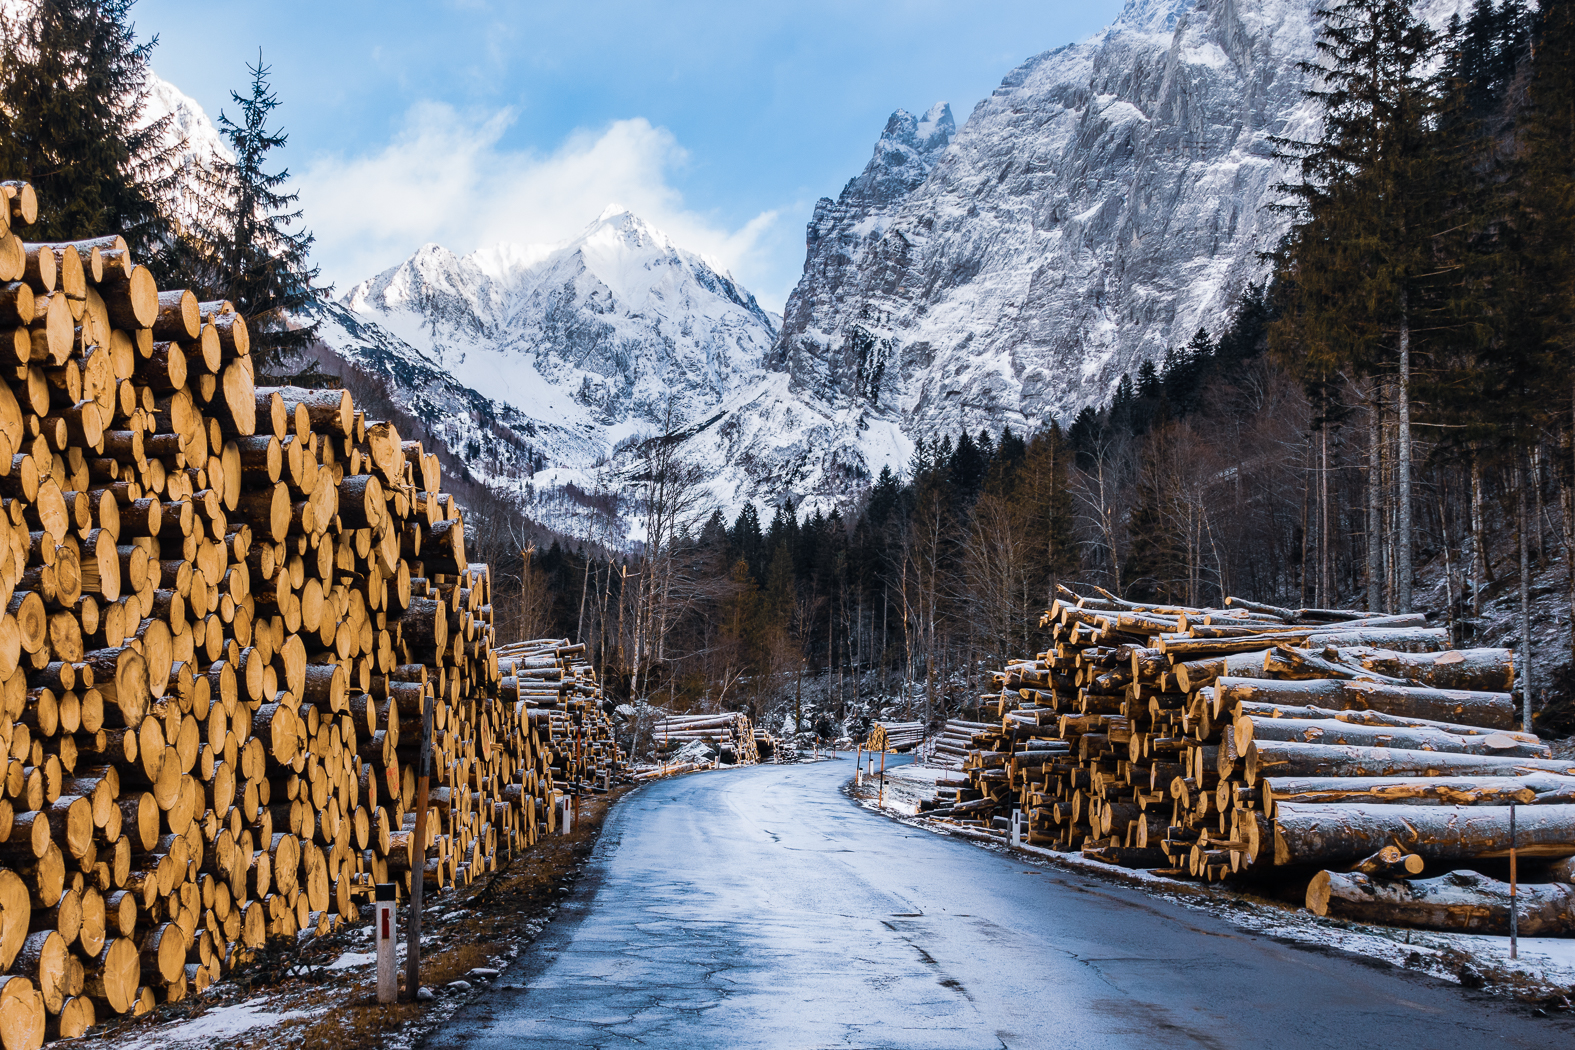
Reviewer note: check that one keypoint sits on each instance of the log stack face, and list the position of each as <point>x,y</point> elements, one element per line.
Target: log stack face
<point>224,609</point>
<point>1209,743</point>
<point>730,733</point>
<point>895,736</point>
<point>949,749</point>
<point>549,681</point>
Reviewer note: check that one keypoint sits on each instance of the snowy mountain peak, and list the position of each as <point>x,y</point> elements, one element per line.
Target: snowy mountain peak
<point>1152,16</point>
<point>620,230</point>
<point>925,134</point>
<point>579,345</point>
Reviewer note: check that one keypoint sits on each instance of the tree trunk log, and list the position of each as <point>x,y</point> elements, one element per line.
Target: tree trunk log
<point>1250,728</point>
<point>1462,900</point>
<point>1341,834</point>
<point>1488,710</point>
<point>1543,788</point>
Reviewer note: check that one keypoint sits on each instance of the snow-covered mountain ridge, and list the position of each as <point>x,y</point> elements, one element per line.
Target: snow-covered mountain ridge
<point>579,348</point>
<point>1107,200</point>
<point>605,332</point>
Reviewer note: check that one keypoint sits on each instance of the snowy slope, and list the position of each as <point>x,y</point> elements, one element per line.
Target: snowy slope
<point>601,332</point>
<point>1105,202</point>
<point>616,335</point>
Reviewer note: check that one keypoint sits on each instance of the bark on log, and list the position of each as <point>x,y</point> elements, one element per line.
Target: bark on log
<point>1417,639</point>
<point>1465,901</point>
<point>1391,862</point>
<point>1250,728</point>
<point>1335,834</point>
<point>1489,710</point>
<point>1535,788</point>
<point>1358,716</point>
<point>1267,759</point>
<point>1484,669</point>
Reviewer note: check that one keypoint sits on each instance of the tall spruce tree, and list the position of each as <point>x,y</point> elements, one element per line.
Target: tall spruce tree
<point>1356,262</point>
<point>247,248</point>
<point>73,84</point>
<point>1544,198</point>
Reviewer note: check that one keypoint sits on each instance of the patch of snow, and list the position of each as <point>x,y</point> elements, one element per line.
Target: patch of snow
<point>350,960</point>
<point>224,1022</point>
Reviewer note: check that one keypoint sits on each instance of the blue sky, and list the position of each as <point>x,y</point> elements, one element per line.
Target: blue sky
<point>471,122</point>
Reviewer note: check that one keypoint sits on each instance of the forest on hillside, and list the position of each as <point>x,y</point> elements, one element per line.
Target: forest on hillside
<point>1396,406</point>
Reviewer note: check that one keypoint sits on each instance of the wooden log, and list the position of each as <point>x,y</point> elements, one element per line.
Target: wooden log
<point>43,961</point>
<point>1250,728</point>
<point>121,677</point>
<point>1534,788</point>
<point>163,953</point>
<point>328,410</point>
<point>1291,759</point>
<point>1337,834</point>
<point>1358,716</point>
<point>1417,639</point>
<point>178,317</point>
<point>22,1014</point>
<point>1489,710</point>
<point>113,978</point>
<point>131,297</point>
<point>1194,674</point>
<point>1391,862</point>
<point>1466,901</point>
<point>42,267</point>
<point>1477,669</point>
<point>230,328</point>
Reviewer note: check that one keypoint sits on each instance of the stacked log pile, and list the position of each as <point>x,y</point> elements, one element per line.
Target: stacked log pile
<point>1259,742</point>
<point>768,745</point>
<point>895,736</point>
<point>949,749</point>
<point>225,609</point>
<point>730,733</point>
<point>551,681</point>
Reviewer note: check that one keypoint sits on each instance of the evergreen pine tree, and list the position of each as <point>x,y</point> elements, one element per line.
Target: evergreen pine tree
<point>1043,485</point>
<point>747,541</point>
<point>73,83</point>
<point>1358,263</point>
<point>245,247</point>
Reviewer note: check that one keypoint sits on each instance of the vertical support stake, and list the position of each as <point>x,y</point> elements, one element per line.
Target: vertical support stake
<point>1514,947</point>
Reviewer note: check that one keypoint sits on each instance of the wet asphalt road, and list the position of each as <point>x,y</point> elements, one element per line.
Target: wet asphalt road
<point>762,908</point>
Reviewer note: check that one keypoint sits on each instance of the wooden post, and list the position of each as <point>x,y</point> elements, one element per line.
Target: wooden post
<point>387,965</point>
<point>418,869</point>
<point>1514,947</point>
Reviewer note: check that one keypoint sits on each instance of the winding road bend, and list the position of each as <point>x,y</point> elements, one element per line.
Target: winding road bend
<point>761,907</point>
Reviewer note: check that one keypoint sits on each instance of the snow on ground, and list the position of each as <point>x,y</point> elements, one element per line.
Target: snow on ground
<point>224,1022</point>
<point>906,785</point>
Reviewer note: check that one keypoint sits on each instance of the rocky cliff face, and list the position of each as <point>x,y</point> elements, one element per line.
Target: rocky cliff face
<point>1106,201</point>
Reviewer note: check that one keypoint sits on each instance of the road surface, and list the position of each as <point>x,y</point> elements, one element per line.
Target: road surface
<point>760,907</point>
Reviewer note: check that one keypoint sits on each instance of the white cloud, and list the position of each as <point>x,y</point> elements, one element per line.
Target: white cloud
<point>446,177</point>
